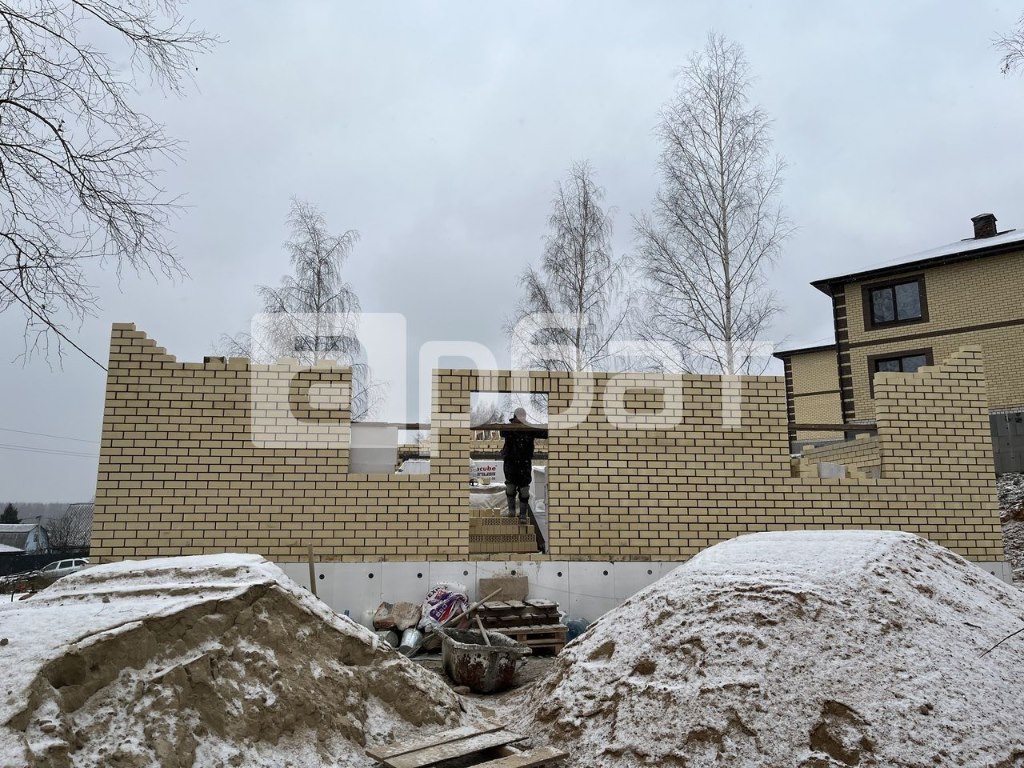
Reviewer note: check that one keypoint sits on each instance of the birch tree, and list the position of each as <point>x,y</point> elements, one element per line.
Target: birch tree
<point>313,315</point>
<point>79,163</point>
<point>572,308</point>
<point>1012,48</point>
<point>717,225</point>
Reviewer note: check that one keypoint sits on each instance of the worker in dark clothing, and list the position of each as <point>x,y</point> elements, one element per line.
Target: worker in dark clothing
<point>517,456</point>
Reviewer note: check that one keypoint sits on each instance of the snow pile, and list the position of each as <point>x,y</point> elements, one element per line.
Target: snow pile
<point>206,661</point>
<point>1010,488</point>
<point>1011,506</point>
<point>808,649</point>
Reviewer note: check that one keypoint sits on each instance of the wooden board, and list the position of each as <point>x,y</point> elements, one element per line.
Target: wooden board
<point>394,750</point>
<point>537,629</point>
<point>539,756</point>
<point>538,602</point>
<point>460,748</point>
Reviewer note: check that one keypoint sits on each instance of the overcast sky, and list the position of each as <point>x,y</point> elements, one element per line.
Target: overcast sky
<point>438,130</point>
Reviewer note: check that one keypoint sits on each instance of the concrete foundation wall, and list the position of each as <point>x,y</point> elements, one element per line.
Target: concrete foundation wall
<point>583,590</point>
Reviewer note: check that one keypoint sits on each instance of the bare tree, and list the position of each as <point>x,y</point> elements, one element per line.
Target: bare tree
<point>577,292</point>
<point>78,163</point>
<point>485,412</point>
<point>1012,48</point>
<point>716,225</point>
<point>314,314</point>
<point>72,529</point>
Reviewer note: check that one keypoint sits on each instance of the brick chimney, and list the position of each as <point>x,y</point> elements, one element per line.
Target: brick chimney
<point>984,225</point>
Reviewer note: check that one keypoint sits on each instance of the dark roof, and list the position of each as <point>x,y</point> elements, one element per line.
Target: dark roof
<point>962,250</point>
<point>782,354</point>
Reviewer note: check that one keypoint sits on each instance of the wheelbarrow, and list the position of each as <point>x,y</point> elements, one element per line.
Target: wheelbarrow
<point>485,662</point>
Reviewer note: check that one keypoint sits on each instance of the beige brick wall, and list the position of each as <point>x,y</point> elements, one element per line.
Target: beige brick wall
<point>959,296</point>
<point>183,469</point>
<point>861,454</point>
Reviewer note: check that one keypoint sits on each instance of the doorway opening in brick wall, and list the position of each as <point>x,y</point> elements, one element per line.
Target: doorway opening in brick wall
<point>508,477</point>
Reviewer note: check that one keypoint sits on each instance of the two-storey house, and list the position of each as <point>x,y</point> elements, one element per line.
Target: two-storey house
<point>902,316</point>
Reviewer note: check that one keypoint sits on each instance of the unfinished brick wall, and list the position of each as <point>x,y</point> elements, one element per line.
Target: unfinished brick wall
<point>861,455</point>
<point>218,456</point>
<point>200,458</point>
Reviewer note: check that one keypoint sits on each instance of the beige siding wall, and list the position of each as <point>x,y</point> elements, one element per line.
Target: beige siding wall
<point>202,458</point>
<point>959,296</point>
<point>816,391</point>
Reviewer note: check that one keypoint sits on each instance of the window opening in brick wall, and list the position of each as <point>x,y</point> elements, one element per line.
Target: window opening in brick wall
<point>508,475</point>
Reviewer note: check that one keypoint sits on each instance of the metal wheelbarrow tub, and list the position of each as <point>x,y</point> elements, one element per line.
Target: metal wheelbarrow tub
<point>483,668</point>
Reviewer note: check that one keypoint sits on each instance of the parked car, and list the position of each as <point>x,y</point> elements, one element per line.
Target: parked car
<point>59,568</point>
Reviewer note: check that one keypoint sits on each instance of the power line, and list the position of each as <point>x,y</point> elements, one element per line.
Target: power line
<point>48,451</point>
<point>43,434</point>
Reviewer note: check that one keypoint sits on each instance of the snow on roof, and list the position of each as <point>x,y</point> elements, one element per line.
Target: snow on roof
<point>966,246</point>
<point>969,248</point>
<point>8,550</point>
<point>16,534</point>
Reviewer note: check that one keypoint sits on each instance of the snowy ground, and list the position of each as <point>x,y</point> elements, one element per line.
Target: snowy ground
<point>804,649</point>
<point>1011,505</point>
<point>206,661</point>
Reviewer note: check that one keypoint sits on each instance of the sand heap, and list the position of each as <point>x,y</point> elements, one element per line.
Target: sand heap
<point>1011,505</point>
<point>809,649</point>
<point>206,661</point>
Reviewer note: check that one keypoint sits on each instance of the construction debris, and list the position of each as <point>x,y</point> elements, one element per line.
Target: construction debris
<point>806,649</point>
<point>396,616</point>
<point>484,662</point>
<point>534,623</point>
<point>205,661</point>
<point>468,742</point>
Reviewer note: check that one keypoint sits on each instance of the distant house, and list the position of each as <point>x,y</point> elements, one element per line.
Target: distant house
<point>28,537</point>
<point>904,316</point>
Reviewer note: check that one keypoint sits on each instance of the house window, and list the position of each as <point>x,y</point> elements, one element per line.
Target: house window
<point>895,303</point>
<point>904,362</point>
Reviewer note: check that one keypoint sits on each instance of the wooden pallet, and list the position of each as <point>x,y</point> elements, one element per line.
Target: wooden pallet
<point>489,742</point>
<point>514,613</point>
<point>547,637</point>
<point>531,622</point>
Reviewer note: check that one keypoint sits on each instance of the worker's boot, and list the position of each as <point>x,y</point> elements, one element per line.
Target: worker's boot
<point>524,505</point>
<point>511,496</point>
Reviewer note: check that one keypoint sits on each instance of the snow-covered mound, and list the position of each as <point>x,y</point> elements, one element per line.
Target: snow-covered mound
<point>1011,505</point>
<point>205,661</point>
<point>809,649</point>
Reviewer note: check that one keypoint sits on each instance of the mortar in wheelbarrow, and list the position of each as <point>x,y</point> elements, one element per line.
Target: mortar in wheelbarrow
<point>469,661</point>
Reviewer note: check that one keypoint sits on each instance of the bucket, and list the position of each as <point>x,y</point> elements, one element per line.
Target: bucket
<point>483,668</point>
<point>411,638</point>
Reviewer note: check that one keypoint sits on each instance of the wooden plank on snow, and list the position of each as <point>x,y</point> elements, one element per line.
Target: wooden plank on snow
<point>385,753</point>
<point>451,750</point>
<point>533,757</point>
